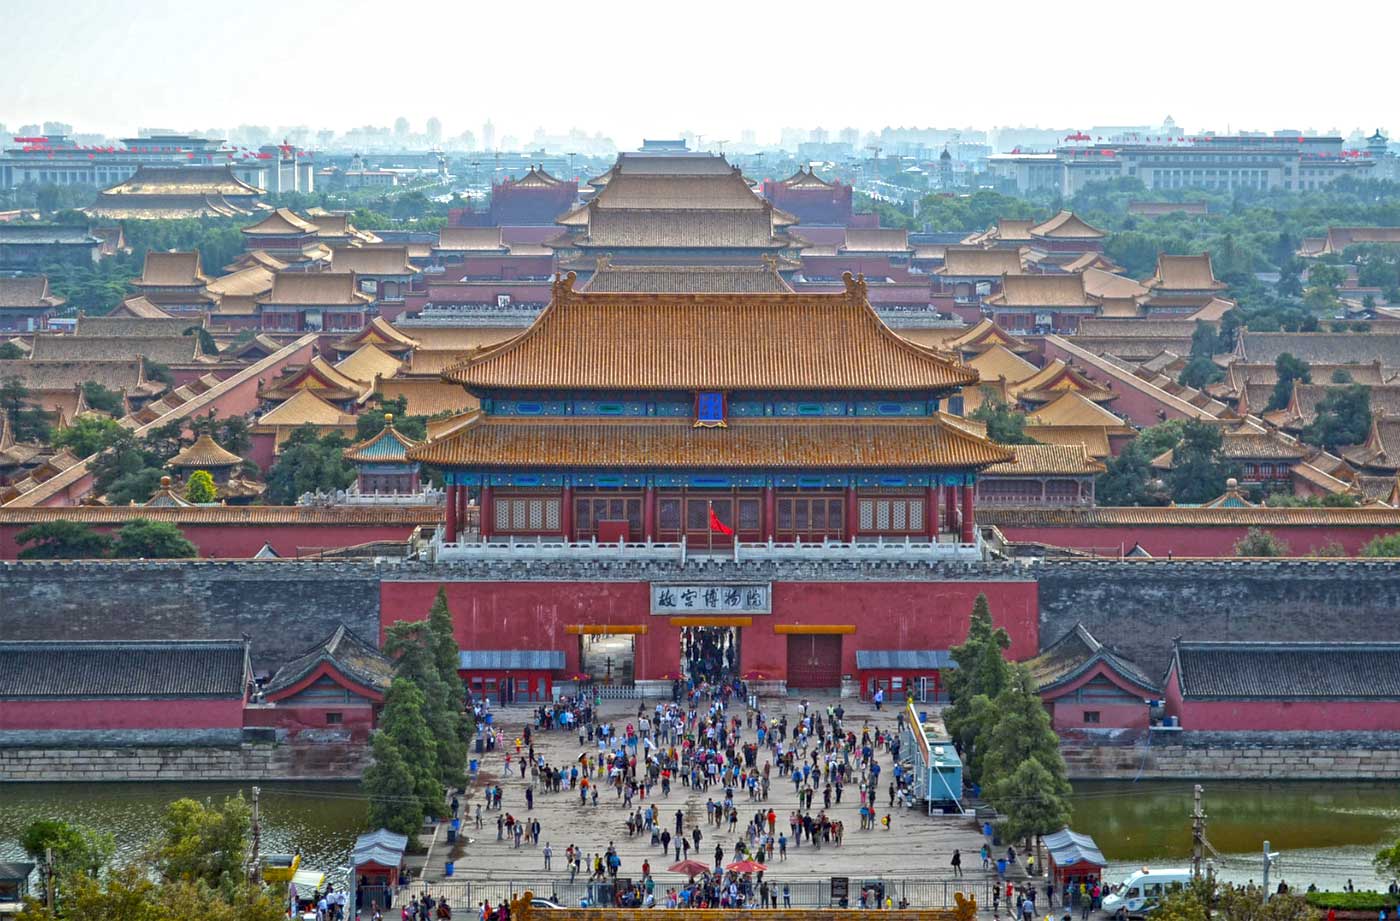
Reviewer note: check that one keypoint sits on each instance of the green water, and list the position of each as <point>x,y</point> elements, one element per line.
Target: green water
<point>319,821</point>
<point>1326,833</point>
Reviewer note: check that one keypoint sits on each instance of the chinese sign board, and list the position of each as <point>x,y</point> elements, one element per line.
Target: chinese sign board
<point>710,598</point>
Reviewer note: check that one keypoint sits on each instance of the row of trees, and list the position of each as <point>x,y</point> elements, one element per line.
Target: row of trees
<point>137,539</point>
<point>196,866</point>
<point>1258,542</point>
<point>1004,734</point>
<point>420,746</point>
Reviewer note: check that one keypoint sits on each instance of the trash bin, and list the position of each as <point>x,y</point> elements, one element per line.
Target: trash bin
<point>986,826</point>
<point>452,836</point>
<point>480,745</point>
<point>489,719</point>
<point>1001,866</point>
<point>448,868</point>
<point>473,763</point>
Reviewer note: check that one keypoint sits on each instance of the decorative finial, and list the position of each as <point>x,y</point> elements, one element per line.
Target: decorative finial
<point>165,482</point>
<point>855,284</point>
<point>389,419</point>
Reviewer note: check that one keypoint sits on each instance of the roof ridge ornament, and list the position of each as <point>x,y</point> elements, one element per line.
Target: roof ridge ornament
<point>564,284</point>
<point>855,285</point>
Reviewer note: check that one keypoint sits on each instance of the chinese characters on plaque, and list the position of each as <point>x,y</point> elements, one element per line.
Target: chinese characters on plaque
<point>710,598</point>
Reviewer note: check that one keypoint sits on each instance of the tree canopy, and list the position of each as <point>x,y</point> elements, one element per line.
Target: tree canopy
<point>1343,418</point>
<point>309,462</point>
<point>201,489</point>
<point>1004,424</point>
<point>142,538</point>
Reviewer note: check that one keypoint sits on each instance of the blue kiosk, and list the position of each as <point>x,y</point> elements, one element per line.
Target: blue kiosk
<point>938,771</point>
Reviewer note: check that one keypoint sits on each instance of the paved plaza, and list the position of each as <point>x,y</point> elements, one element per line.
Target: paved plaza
<point>917,845</point>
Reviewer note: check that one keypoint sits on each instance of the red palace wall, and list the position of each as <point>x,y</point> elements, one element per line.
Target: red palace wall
<point>227,541</point>
<point>1067,713</point>
<point>123,714</point>
<point>1192,541</point>
<point>356,721</point>
<point>886,615</point>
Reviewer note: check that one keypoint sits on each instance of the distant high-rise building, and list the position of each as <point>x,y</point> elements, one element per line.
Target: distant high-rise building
<point>850,136</point>
<point>488,136</point>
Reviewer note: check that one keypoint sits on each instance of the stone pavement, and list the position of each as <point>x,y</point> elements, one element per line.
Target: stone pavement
<point>917,845</point>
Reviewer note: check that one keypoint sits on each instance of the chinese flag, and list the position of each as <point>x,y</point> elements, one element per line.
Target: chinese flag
<point>717,525</point>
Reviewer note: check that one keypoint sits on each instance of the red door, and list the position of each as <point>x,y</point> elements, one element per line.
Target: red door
<point>814,661</point>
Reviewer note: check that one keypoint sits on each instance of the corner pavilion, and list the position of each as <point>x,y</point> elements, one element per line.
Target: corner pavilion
<point>695,421</point>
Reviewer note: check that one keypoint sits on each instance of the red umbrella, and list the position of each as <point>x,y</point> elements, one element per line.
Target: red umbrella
<point>691,868</point>
<point>746,866</point>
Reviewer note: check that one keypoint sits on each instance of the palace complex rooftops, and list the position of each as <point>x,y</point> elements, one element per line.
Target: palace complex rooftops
<point>608,341</point>
<point>681,279</point>
<point>171,269</point>
<point>975,262</point>
<point>1183,273</point>
<point>1041,291</point>
<point>315,290</point>
<point>204,453</point>
<point>807,180</point>
<point>1339,238</point>
<point>178,192</point>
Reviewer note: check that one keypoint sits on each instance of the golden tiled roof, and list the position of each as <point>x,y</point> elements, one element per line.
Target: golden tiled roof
<point>135,327</point>
<point>1008,229</point>
<point>807,180</point>
<point>369,362</point>
<point>428,396</point>
<point>1183,273</point>
<point>1043,460</point>
<point>29,291</point>
<point>643,192</point>
<point>256,257</point>
<point>1105,284</point>
<point>166,350</point>
<point>1000,362</point>
<point>172,270</point>
<point>304,408</point>
<point>1074,409</point>
<point>182,180</point>
<point>705,341</point>
<point>706,229</point>
<point>1041,291</point>
<point>284,222</point>
<point>653,443</point>
<point>380,332</point>
<point>978,262</point>
<point>315,289</point>
<point>205,452</point>
<point>690,279</point>
<point>1067,226</point>
<point>138,307</point>
<point>1093,438</point>
<point>247,282</point>
<point>985,335</point>
<point>1058,376</point>
<point>376,260</point>
<point>877,240</point>
<point>1091,260</point>
<point>471,239</point>
<point>319,375</point>
<point>459,339</point>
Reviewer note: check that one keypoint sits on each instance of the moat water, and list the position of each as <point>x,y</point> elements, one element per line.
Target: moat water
<point>1327,833</point>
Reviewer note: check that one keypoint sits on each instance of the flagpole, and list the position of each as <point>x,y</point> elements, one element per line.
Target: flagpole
<point>710,526</point>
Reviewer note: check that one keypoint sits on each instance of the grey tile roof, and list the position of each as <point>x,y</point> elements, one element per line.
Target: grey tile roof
<point>1288,671</point>
<point>44,670</point>
<point>356,659</point>
<point>1068,847</point>
<point>1074,654</point>
<point>499,659</point>
<point>381,847</point>
<point>905,658</point>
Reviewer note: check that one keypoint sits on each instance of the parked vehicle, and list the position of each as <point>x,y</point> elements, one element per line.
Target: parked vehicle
<point>1142,892</point>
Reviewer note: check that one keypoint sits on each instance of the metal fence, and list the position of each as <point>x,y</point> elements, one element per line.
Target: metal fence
<point>805,892</point>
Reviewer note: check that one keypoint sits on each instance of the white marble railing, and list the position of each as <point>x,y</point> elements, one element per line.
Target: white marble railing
<point>875,549</point>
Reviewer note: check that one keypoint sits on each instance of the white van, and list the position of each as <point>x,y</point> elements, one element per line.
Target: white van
<point>1141,892</point>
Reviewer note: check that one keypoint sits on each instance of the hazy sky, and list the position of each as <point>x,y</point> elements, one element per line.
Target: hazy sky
<point>629,69</point>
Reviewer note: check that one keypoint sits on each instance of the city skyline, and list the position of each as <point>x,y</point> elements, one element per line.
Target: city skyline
<point>189,69</point>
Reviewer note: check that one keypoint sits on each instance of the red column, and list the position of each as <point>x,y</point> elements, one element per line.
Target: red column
<point>931,513</point>
<point>950,501</point>
<point>852,513</point>
<point>462,496</point>
<point>770,514</point>
<point>649,513</point>
<point>484,522</point>
<point>968,535</point>
<point>566,512</point>
<point>451,529</point>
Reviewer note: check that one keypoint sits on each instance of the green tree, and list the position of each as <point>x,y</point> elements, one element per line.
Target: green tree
<point>309,462</point>
<point>1199,470</point>
<point>1288,369</point>
<point>203,842</point>
<point>137,487</point>
<point>404,721</point>
<point>235,434</point>
<point>88,435</point>
<point>103,400</point>
<point>62,540</point>
<point>144,539</point>
<point>76,848</point>
<point>1387,860</point>
<point>207,345</point>
<point>371,421</point>
<point>1384,545</point>
<point>1343,418</point>
<point>981,675</point>
<point>1021,735</point>
<point>1260,543</point>
<point>1202,369</point>
<point>389,783</point>
<point>201,489</point>
<point>1004,425</point>
<point>27,422</point>
<point>9,351</point>
<point>412,646</point>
